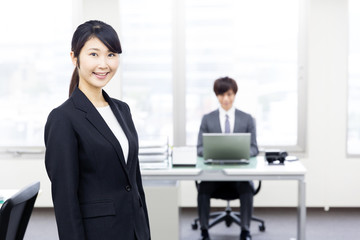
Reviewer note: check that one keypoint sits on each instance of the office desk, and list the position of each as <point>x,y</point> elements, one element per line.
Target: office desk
<point>258,169</point>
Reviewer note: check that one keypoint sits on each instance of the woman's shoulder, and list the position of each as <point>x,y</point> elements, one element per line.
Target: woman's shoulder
<point>120,104</point>
<point>63,111</point>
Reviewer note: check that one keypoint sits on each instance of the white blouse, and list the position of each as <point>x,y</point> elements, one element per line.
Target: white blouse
<point>115,127</point>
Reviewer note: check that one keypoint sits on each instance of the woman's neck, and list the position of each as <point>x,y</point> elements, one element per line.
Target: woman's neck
<point>94,95</point>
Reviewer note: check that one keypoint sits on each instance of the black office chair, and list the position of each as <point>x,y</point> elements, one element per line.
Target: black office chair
<point>16,211</point>
<point>228,215</point>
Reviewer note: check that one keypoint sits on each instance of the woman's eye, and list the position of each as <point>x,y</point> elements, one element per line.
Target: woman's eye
<point>111,55</point>
<point>93,54</point>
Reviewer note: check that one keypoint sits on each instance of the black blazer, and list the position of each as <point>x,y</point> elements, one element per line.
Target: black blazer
<point>244,123</point>
<point>96,194</point>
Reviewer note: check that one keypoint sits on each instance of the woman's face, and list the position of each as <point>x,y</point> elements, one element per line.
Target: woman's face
<point>97,64</point>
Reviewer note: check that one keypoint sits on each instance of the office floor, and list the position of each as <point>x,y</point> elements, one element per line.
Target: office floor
<point>336,224</point>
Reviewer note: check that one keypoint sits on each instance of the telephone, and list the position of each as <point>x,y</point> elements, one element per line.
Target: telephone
<point>275,156</point>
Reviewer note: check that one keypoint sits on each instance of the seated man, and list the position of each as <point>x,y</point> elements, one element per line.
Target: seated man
<point>227,119</point>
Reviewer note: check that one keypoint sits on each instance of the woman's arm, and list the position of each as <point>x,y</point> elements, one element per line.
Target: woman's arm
<point>62,165</point>
<point>142,193</point>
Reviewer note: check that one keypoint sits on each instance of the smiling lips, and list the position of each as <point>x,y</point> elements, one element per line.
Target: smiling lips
<point>101,75</point>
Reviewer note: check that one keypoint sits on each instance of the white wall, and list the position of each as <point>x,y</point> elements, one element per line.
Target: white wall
<point>18,173</point>
<point>332,178</point>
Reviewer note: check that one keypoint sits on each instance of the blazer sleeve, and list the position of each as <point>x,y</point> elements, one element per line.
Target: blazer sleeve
<point>254,151</point>
<point>142,193</point>
<point>62,166</point>
<point>203,129</point>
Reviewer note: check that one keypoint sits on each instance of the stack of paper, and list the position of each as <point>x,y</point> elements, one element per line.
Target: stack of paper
<point>154,149</point>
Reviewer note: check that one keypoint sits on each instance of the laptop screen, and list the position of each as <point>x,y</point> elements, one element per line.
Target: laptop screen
<point>226,146</point>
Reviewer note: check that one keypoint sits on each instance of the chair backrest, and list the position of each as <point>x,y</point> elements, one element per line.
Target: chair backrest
<point>16,211</point>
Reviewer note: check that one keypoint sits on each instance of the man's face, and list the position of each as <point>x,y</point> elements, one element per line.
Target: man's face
<point>226,99</point>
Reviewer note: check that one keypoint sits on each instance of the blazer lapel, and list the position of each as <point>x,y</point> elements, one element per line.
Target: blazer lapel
<point>125,127</point>
<point>94,117</point>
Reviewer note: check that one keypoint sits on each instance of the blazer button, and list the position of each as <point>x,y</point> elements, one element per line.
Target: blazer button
<point>128,188</point>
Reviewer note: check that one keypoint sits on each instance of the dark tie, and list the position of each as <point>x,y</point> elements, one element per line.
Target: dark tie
<point>227,124</point>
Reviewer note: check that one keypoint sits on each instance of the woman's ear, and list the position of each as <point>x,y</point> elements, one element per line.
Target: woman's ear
<point>73,58</point>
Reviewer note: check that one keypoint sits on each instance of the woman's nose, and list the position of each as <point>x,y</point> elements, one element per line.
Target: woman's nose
<point>103,62</point>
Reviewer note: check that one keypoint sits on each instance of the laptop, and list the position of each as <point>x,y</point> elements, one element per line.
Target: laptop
<point>225,148</point>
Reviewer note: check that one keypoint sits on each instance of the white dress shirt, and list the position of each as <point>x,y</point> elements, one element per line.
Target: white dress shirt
<point>222,116</point>
<point>115,127</point>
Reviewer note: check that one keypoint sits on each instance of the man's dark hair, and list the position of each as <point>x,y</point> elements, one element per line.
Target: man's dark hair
<point>224,84</point>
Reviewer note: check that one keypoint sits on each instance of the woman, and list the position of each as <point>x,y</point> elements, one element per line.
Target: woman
<point>92,148</point>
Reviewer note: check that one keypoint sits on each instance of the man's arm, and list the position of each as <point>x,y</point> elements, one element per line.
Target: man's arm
<point>254,151</point>
<point>203,129</point>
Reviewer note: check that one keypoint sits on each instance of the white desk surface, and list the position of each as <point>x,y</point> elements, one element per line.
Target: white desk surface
<point>261,170</point>
<point>258,169</point>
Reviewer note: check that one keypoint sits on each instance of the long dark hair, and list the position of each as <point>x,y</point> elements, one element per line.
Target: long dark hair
<point>90,29</point>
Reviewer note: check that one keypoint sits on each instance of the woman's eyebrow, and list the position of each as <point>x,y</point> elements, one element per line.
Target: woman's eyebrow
<point>97,49</point>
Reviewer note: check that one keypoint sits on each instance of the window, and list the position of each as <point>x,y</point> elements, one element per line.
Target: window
<point>34,66</point>
<point>353,138</point>
<point>172,53</point>
<point>256,43</point>
<point>146,67</point>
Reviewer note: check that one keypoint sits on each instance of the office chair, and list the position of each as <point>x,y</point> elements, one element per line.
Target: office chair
<point>16,211</point>
<point>228,215</point>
